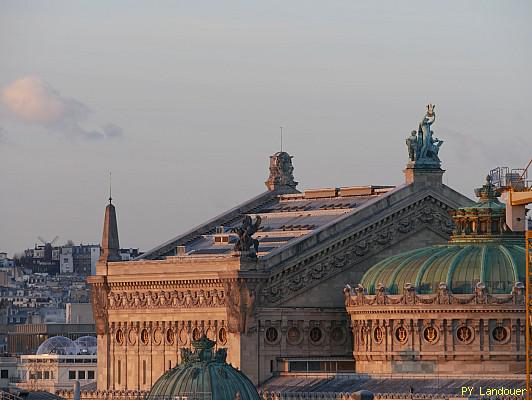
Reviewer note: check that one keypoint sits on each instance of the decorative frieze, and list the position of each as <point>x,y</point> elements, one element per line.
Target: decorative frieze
<point>356,296</point>
<point>166,299</point>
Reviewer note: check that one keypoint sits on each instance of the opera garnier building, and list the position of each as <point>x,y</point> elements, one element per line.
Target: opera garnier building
<point>266,280</point>
<point>446,308</point>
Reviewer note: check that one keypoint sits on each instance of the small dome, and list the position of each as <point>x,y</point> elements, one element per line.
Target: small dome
<point>59,345</point>
<point>204,373</point>
<point>87,345</point>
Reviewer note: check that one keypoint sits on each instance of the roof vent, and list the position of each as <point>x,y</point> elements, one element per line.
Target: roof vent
<point>181,251</point>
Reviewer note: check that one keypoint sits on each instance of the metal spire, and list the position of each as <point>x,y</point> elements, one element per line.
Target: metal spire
<point>110,186</point>
<point>281,138</point>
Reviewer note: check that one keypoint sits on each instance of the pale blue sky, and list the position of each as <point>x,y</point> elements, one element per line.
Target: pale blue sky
<point>199,90</point>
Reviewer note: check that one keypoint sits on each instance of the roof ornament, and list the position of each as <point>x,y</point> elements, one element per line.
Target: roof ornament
<point>281,171</point>
<point>110,186</point>
<point>423,147</point>
<point>245,244</point>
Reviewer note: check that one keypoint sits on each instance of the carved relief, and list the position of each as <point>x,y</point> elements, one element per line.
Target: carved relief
<point>378,334</point>
<point>430,334</point>
<point>357,297</point>
<point>465,334</point>
<point>401,335</point>
<point>500,334</point>
<point>99,292</point>
<point>166,299</point>
<point>338,335</point>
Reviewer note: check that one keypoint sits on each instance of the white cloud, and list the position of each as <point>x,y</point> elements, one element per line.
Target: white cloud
<point>32,100</point>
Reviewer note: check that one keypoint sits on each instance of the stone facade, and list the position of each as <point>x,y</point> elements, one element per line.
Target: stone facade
<point>275,307</point>
<point>438,333</point>
<point>283,305</point>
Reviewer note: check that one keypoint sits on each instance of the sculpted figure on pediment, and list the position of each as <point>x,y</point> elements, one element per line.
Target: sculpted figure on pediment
<point>201,298</point>
<point>406,225</point>
<point>362,248</point>
<point>188,301</point>
<point>123,300</point>
<point>481,293</point>
<point>347,295</point>
<point>214,297</point>
<point>380,296</point>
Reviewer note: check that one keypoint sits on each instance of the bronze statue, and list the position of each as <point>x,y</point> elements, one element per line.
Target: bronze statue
<point>245,241</point>
<point>423,147</point>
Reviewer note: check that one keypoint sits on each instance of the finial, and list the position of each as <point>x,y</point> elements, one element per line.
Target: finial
<point>110,186</point>
<point>281,138</point>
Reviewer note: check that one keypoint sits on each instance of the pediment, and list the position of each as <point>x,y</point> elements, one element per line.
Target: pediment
<point>425,211</point>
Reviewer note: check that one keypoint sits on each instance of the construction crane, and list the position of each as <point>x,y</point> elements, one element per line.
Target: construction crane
<point>517,193</point>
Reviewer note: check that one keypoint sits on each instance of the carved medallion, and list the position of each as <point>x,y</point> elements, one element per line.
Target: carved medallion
<point>222,335</point>
<point>401,334</point>
<point>315,335</point>
<point>183,336</point>
<point>465,334</point>
<point>132,336</point>
<point>119,336</point>
<point>500,334</point>
<point>157,337</point>
<point>170,337</point>
<point>271,335</point>
<point>196,334</point>
<point>338,335</point>
<point>144,336</point>
<point>211,334</point>
<point>293,335</point>
<point>430,334</point>
<point>378,334</point>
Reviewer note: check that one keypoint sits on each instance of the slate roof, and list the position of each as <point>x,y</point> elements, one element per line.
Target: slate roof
<point>285,218</point>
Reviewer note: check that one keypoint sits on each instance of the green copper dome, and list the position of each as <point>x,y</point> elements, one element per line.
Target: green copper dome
<point>203,374</point>
<point>480,250</point>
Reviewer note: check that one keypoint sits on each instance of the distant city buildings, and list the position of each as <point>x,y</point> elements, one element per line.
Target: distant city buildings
<point>67,259</point>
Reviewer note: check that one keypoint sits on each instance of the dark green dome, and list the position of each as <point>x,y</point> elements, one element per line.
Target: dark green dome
<point>460,266</point>
<point>203,374</point>
<point>482,249</point>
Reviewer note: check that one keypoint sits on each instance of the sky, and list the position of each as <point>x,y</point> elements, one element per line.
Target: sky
<point>183,101</point>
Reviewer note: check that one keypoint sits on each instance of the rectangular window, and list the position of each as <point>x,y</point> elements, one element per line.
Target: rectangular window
<point>81,374</point>
<point>4,374</point>
<point>143,372</point>
<point>46,375</point>
<point>39,375</point>
<point>119,371</point>
<point>90,374</point>
<point>71,374</point>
